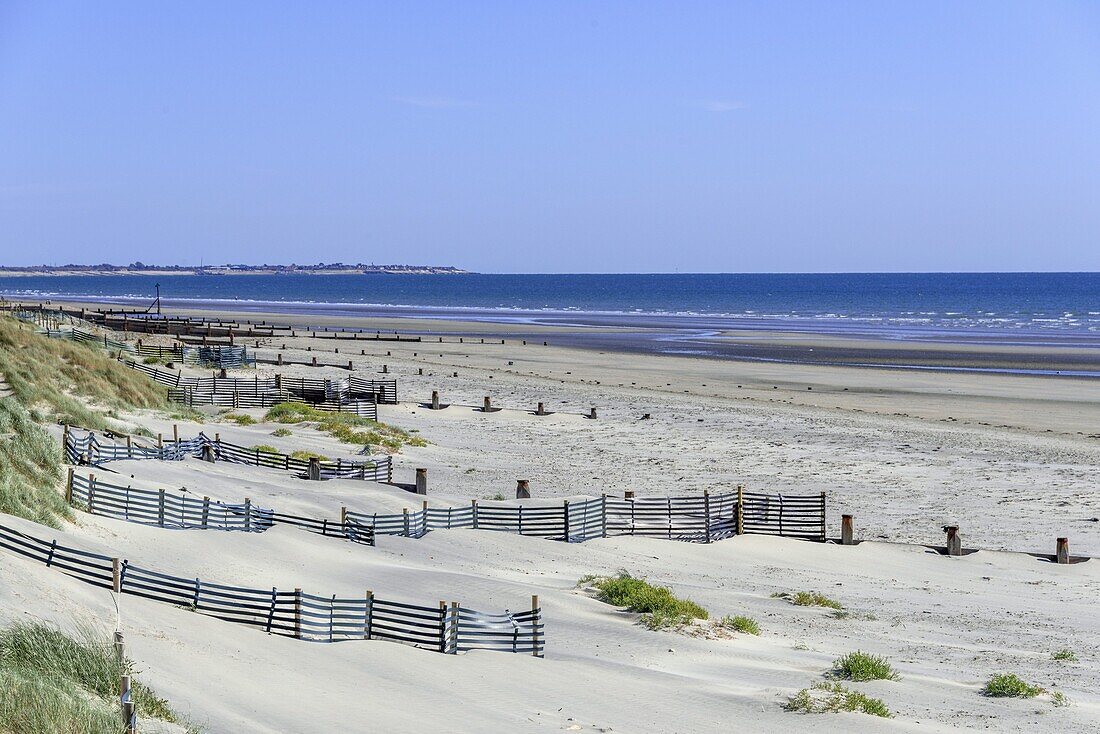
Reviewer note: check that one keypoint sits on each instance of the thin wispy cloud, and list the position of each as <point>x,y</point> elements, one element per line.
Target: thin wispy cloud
<point>434,103</point>
<point>720,105</point>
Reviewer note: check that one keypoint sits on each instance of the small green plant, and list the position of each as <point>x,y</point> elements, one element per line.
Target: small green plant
<point>263,448</point>
<point>859,666</point>
<point>659,608</point>
<point>1010,685</point>
<point>746,625</point>
<point>307,455</point>
<point>280,432</point>
<point>345,426</point>
<point>1059,699</point>
<point>498,497</point>
<point>832,697</point>
<point>241,419</point>
<point>808,599</point>
<point>1064,656</point>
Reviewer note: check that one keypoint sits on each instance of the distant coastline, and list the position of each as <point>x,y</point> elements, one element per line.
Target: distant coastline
<point>143,269</point>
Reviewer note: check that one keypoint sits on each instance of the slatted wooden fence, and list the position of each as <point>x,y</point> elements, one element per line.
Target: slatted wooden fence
<point>446,629</point>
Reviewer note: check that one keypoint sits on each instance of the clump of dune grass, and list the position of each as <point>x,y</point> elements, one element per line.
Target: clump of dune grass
<point>280,432</point>
<point>52,682</point>
<point>832,697</point>
<point>346,427</point>
<point>1010,685</point>
<point>307,455</point>
<point>30,468</point>
<point>263,448</point>
<point>63,380</point>
<point>808,599</point>
<point>659,608</point>
<point>241,419</point>
<point>1064,656</point>
<point>746,625</point>
<point>860,666</point>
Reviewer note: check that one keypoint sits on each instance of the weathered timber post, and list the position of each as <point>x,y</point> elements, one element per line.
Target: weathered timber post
<point>313,363</point>
<point>314,471</point>
<point>126,702</point>
<point>1062,550</point>
<point>69,487</point>
<point>540,410</point>
<point>298,613</point>
<point>534,623</point>
<point>369,614</point>
<point>207,453</point>
<point>443,627</point>
<point>740,509</point>
<point>523,489</point>
<point>248,514</point>
<point>592,413</point>
<point>473,512</point>
<point>435,400</point>
<point>487,407</point>
<point>421,481</point>
<point>847,533</point>
<point>205,511</point>
<point>954,540</point>
<point>116,575</point>
<point>279,359</point>
<point>565,519</point>
<point>706,512</point>
<point>385,369</point>
<point>160,508</point>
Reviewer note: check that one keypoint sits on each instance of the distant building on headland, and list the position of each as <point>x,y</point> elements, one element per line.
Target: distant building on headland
<point>140,268</point>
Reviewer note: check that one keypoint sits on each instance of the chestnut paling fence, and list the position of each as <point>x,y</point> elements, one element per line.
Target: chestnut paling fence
<point>442,628</point>
<point>180,509</point>
<point>84,447</point>
<point>227,356</point>
<point>701,518</point>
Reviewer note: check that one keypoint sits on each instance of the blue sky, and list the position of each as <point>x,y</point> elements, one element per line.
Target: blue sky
<point>554,137</point>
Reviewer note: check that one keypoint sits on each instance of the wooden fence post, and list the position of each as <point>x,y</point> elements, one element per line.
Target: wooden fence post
<point>954,541</point>
<point>91,494</point>
<point>565,519</point>
<point>369,621</point>
<point>592,413</point>
<point>205,511</point>
<point>706,512</point>
<point>129,447</point>
<point>1062,550</point>
<point>822,531</point>
<point>69,487</point>
<point>487,407</point>
<point>740,509</point>
<point>421,481</point>
<point>314,472</point>
<point>405,519</point>
<point>473,506</point>
<point>603,515</point>
<point>454,628</point>
<point>126,701</point>
<point>298,613</point>
<point>847,533</point>
<point>116,575</point>
<point>534,622</point>
<point>443,627</point>
<point>160,508</point>
<point>435,400</point>
<point>523,489</point>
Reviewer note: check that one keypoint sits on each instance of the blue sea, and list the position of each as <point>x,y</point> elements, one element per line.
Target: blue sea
<point>947,306</point>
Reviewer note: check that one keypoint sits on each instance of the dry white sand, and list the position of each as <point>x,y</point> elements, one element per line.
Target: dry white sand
<point>947,624</point>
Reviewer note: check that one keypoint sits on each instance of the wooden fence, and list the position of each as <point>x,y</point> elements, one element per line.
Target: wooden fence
<point>184,510</point>
<point>695,519</point>
<point>88,449</point>
<point>442,628</point>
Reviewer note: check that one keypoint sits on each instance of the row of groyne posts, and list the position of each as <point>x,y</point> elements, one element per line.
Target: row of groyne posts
<point>954,545</point>
<point>487,406</point>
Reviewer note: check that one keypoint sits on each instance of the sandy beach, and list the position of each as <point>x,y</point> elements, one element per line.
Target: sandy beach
<point>1012,460</point>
